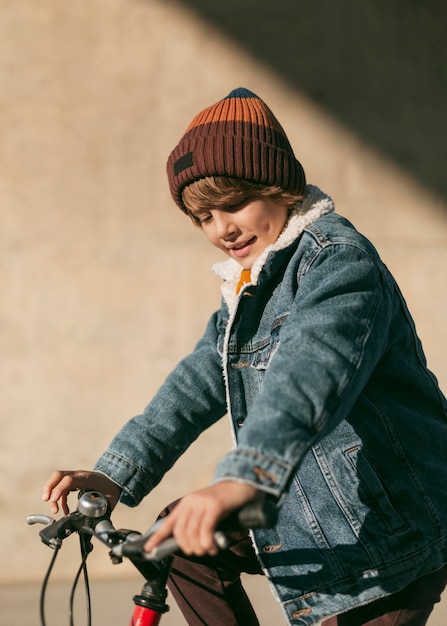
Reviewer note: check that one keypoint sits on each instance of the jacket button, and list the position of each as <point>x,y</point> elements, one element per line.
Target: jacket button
<point>240,422</point>
<point>270,549</point>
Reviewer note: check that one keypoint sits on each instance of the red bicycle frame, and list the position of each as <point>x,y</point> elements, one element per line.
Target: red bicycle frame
<point>142,616</point>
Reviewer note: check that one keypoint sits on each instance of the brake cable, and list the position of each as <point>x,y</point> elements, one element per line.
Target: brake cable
<point>45,584</point>
<point>85,551</point>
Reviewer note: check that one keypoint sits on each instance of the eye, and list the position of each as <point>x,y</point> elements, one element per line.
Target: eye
<point>204,218</point>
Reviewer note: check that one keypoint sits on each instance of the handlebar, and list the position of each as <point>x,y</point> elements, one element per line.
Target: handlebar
<point>92,518</point>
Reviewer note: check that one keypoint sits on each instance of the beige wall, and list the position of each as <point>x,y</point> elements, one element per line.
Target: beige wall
<point>104,284</point>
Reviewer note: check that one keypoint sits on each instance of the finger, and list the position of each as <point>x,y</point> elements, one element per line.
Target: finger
<point>194,529</point>
<point>163,532</point>
<point>60,492</point>
<point>205,526</point>
<point>65,485</point>
<point>205,535</point>
<point>64,503</point>
<point>185,532</point>
<point>54,479</point>
<point>54,507</point>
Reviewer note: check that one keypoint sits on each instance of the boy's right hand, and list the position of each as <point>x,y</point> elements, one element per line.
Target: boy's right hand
<point>61,482</point>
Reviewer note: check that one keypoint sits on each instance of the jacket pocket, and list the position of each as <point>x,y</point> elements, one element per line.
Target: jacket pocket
<point>263,351</point>
<point>372,490</point>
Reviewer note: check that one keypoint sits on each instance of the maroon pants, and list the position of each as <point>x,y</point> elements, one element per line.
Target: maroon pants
<point>209,592</point>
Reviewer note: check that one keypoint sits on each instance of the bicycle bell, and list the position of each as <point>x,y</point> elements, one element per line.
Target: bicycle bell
<point>92,504</point>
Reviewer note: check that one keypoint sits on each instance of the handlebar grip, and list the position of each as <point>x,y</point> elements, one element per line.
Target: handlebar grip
<point>134,549</point>
<point>168,547</point>
<point>37,518</point>
<point>258,514</point>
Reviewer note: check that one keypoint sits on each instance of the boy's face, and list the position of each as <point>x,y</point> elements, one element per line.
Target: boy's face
<point>245,230</point>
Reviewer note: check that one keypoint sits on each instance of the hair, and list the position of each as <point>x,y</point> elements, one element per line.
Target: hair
<point>219,192</point>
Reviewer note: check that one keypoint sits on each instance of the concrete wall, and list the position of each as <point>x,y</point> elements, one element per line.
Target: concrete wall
<point>104,284</point>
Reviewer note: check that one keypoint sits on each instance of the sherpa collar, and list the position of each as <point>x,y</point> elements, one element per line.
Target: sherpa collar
<point>314,205</point>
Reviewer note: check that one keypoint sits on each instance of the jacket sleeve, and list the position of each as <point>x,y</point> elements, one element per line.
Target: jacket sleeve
<point>329,346</point>
<point>191,399</point>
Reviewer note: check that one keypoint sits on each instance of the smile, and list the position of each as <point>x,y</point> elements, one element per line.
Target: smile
<point>243,245</point>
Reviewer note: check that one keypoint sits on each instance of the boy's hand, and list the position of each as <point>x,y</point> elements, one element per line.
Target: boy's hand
<point>61,482</point>
<point>194,519</point>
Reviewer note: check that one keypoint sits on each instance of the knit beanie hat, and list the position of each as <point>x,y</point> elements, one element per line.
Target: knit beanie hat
<point>238,137</point>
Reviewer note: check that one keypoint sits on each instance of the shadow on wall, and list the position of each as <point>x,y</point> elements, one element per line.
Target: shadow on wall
<point>380,67</point>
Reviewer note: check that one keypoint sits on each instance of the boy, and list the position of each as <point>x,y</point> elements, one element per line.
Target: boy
<point>314,356</point>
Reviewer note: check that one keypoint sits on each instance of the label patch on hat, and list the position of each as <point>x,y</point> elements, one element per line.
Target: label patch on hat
<point>183,162</point>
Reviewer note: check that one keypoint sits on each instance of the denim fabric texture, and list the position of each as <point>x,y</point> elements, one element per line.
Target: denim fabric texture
<point>333,410</point>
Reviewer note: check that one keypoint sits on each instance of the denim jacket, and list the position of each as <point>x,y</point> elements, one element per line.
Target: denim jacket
<point>318,365</point>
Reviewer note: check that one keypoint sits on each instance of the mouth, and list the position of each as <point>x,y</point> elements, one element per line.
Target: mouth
<point>242,247</point>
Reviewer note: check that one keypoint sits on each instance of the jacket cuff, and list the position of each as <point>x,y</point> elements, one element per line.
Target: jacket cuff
<point>263,472</point>
<point>132,481</point>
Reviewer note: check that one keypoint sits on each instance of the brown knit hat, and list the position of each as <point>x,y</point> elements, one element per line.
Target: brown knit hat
<point>239,137</point>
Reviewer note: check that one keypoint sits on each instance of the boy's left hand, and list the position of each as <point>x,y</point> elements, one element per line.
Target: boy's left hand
<point>194,519</point>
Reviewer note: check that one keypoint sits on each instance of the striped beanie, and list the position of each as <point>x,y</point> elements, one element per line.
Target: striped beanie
<point>238,137</point>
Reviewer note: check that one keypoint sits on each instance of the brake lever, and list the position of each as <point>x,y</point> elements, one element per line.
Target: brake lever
<point>56,531</point>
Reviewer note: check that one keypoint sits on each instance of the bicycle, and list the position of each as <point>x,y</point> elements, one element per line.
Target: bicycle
<point>92,519</point>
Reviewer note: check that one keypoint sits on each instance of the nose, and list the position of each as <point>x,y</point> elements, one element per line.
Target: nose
<point>226,229</point>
